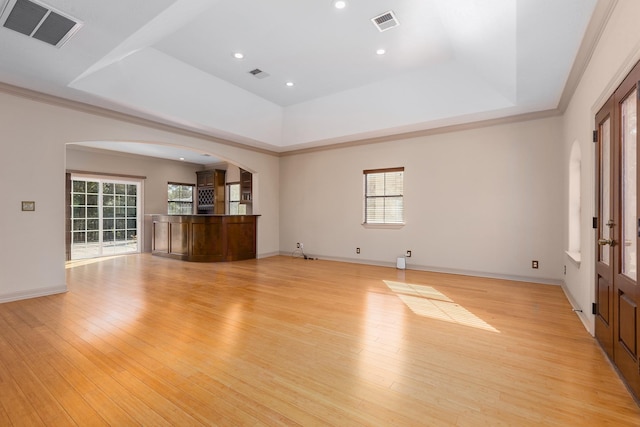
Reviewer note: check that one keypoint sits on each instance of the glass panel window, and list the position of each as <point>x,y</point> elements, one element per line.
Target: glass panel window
<point>384,196</point>
<point>180,199</point>
<point>234,199</point>
<point>605,197</point>
<point>79,187</point>
<point>629,185</point>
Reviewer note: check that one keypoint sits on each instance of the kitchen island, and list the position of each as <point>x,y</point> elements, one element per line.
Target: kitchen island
<point>204,238</point>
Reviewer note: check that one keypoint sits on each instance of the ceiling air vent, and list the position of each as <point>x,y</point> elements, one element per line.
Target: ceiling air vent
<point>386,21</point>
<point>39,21</point>
<point>258,73</point>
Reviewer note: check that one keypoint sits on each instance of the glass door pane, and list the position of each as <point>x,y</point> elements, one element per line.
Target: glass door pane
<point>85,227</point>
<point>605,184</point>
<point>629,185</point>
<point>104,218</point>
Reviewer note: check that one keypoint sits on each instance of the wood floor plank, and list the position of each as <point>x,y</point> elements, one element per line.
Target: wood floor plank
<point>17,408</point>
<point>14,373</point>
<point>283,341</point>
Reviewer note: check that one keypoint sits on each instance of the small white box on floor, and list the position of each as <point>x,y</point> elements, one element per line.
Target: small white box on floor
<point>401,263</point>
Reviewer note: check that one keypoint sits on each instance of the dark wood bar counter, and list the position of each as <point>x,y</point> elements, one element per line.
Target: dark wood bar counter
<point>204,238</point>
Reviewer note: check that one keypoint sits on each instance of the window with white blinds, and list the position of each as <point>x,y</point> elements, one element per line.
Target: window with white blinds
<point>383,196</point>
<point>180,199</point>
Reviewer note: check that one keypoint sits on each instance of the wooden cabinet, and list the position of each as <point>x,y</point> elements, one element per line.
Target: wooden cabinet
<point>210,191</point>
<point>205,178</point>
<point>204,238</point>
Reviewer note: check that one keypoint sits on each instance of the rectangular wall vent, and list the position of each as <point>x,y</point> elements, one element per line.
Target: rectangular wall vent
<point>39,21</point>
<point>258,73</point>
<point>386,21</point>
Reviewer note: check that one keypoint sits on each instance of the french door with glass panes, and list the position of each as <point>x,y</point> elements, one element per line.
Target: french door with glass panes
<point>105,217</point>
<point>617,322</point>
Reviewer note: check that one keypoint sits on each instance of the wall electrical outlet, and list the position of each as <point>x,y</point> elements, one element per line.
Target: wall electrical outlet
<point>534,264</point>
<point>298,245</point>
<point>357,250</point>
<point>408,254</point>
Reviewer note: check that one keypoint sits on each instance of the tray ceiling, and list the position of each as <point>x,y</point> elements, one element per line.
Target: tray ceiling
<point>322,80</point>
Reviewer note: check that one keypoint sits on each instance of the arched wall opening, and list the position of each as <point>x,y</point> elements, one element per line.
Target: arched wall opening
<point>155,165</point>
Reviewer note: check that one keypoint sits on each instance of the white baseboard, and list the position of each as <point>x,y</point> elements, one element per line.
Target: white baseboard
<point>16,296</point>
<point>512,277</point>
<point>268,254</point>
<point>515,278</point>
<point>585,316</point>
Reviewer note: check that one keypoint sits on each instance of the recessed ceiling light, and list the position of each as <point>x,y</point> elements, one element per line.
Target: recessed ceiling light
<point>238,55</point>
<point>181,158</point>
<point>289,84</point>
<point>380,52</point>
<point>340,4</point>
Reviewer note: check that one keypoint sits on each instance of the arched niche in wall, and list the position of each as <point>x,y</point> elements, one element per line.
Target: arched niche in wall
<point>575,202</point>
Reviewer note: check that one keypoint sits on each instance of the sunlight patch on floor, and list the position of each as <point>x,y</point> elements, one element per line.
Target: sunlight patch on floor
<point>429,302</point>
<point>80,262</point>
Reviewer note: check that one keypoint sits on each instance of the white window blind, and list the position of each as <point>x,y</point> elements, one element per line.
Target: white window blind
<point>384,198</point>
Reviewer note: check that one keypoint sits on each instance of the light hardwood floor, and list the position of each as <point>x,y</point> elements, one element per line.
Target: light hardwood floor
<point>142,340</point>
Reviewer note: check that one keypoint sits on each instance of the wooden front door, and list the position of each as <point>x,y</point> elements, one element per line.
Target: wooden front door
<point>604,251</point>
<point>618,229</point>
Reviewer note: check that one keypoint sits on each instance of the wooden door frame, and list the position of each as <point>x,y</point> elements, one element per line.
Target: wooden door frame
<point>625,292</point>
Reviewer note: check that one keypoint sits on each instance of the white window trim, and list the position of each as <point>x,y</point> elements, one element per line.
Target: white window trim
<point>575,204</point>
<point>120,179</point>
<point>386,225</point>
<point>394,226</point>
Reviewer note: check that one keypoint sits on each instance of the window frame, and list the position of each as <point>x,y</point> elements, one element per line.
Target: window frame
<point>231,202</point>
<point>170,201</point>
<point>366,197</point>
<point>123,213</point>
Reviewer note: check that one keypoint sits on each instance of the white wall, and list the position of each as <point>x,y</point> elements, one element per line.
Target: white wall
<point>32,252</point>
<point>616,53</point>
<point>484,201</point>
<point>158,173</point>
<point>32,167</point>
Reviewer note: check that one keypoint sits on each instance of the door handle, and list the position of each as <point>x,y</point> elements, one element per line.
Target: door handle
<point>603,242</point>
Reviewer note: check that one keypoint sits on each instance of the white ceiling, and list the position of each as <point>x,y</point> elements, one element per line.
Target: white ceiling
<point>449,62</point>
<point>169,152</point>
